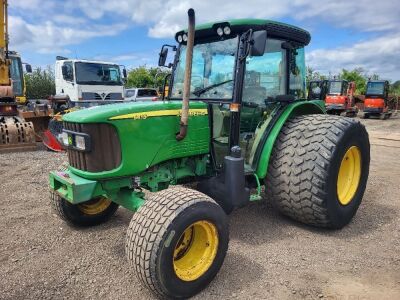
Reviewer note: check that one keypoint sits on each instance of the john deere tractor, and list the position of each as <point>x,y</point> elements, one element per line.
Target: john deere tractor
<point>235,121</point>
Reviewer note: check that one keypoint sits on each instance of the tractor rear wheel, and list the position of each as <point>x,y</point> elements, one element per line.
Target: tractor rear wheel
<point>319,169</point>
<point>92,212</point>
<point>177,242</point>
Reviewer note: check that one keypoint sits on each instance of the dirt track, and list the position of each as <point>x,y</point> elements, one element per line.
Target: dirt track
<point>269,255</point>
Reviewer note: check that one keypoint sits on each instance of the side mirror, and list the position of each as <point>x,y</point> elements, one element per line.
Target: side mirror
<point>64,71</point>
<point>124,73</point>
<point>28,68</point>
<point>259,39</point>
<point>163,56</point>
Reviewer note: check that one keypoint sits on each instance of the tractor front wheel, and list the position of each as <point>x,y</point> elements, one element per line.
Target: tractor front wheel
<point>319,169</point>
<point>177,242</point>
<point>92,212</point>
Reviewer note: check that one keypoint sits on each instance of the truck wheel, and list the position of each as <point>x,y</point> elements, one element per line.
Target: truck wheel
<point>92,212</point>
<point>177,242</point>
<point>319,169</point>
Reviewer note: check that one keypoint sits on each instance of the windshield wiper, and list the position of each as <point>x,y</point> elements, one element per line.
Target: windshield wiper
<point>207,88</point>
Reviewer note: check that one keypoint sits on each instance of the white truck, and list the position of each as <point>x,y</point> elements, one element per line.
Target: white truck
<point>87,82</point>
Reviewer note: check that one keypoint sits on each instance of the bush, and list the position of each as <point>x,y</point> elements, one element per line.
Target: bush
<point>40,84</point>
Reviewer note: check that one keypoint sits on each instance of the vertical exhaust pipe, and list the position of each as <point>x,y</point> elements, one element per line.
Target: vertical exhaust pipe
<point>188,75</point>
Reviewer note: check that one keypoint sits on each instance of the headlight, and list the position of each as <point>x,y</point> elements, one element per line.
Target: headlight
<point>184,37</point>
<point>220,31</point>
<point>64,139</point>
<point>179,39</point>
<point>227,30</point>
<point>80,142</point>
<point>75,140</point>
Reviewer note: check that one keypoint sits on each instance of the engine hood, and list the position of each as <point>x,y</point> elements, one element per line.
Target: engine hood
<point>129,110</point>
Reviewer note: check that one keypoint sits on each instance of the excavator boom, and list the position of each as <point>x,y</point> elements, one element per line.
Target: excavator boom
<point>15,133</point>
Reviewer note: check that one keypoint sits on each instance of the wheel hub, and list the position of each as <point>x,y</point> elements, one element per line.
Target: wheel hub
<point>195,250</point>
<point>349,175</point>
<point>95,206</point>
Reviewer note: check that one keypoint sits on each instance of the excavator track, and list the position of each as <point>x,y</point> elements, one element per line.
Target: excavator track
<point>16,135</point>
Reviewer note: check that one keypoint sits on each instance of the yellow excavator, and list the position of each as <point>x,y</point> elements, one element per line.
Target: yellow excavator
<point>15,133</point>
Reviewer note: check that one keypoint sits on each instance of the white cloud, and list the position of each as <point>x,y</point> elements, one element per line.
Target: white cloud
<point>49,26</point>
<point>379,55</point>
<point>49,37</point>
<point>165,17</point>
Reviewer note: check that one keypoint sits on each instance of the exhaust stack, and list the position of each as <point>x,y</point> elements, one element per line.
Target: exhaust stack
<point>188,75</point>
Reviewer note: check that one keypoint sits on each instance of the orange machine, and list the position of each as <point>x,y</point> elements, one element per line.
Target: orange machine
<point>376,99</point>
<point>340,98</point>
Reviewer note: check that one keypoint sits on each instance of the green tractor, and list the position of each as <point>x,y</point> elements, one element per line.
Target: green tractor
<point>235,123</point>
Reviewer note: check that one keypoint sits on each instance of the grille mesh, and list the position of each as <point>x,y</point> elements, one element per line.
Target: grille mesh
<point>105,151</point>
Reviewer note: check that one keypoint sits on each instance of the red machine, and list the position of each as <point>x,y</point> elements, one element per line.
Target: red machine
<point>340,98</point>
<point>376,101</point>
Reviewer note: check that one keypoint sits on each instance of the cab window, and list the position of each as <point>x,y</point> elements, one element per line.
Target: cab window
<point>70,71</point>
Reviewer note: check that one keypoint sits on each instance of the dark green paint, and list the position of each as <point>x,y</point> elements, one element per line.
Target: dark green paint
<point>294,109</point>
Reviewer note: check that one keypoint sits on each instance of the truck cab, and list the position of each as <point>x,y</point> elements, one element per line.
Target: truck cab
<point>86,82</point>
<point>340,98</point>
<point>17,76</point>
<point>376,99</point>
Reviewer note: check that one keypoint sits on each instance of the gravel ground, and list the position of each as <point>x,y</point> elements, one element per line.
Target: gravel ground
<point>269,255</point>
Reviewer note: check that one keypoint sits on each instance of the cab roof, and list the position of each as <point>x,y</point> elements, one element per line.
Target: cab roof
<point>274,29</point>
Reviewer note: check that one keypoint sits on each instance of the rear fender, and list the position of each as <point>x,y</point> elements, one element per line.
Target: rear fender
<point>294,109</point>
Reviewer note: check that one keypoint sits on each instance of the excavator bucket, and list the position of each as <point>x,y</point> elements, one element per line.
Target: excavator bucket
<point>16,135</point>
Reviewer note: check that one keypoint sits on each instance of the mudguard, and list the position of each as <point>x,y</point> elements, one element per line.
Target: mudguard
<point>294,109</point>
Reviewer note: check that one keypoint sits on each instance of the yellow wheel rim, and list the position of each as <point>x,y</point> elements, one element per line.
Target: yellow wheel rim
<point>195,250</point>
<point>95,206</point>
<point>349,175</point>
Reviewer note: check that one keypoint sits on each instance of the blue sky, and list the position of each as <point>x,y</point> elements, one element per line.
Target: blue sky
<point>345,34</point>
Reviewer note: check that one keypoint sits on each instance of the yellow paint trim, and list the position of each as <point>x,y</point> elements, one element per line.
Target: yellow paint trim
<point>349,175</point>
<point>195,250</point>
<point>160,113</point>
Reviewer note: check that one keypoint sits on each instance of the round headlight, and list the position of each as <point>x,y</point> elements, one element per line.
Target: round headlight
<point>220,32</point>
<point>184,37</point>
<point>179,39</point>
<point>227,30</point>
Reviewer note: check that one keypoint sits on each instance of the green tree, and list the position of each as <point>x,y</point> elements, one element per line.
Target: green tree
<point>395,88</point>
<point>311,74</point>
<point>40,84</point>
<point>142,77</point>
<point>358,76</point>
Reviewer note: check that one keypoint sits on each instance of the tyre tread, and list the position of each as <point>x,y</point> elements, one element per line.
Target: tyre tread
<point>148,226</point>
<point>299,166</point>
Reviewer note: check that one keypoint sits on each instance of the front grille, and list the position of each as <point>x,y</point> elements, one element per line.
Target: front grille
<point>105,153</point>
<point>100,97</point>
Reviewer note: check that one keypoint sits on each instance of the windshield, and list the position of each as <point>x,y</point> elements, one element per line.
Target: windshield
<point>94,73</point>
<point>147,93</point>
<point>130,93</point>
<point>16,75</point>
<point>212,70</point>
<point>335,87</point>
<point>375,88</point>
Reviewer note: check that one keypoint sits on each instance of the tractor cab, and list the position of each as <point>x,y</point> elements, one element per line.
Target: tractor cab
<point>340,98</point>
<point>243,70</point>
<point>376,99</point>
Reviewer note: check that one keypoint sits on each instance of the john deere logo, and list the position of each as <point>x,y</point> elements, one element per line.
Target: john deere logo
<point>70,140</point>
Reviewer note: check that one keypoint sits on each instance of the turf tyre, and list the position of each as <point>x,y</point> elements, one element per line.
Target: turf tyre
<point>73,215</point>
<point>154,231</point>
<point>303,171</point>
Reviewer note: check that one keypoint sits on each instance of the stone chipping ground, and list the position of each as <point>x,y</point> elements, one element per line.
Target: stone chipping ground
<point>269,256</point>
